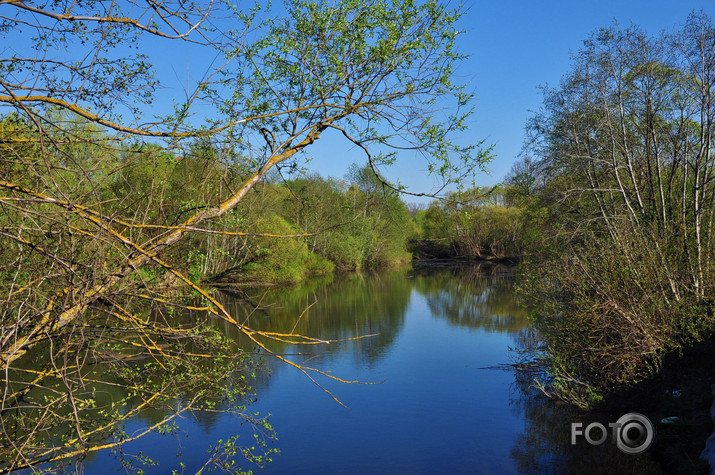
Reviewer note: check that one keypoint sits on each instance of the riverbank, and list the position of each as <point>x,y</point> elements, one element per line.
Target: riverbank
<point>457,261</point>
<point>443,250</point>
<point>251,280</point>
<point>678,401</point>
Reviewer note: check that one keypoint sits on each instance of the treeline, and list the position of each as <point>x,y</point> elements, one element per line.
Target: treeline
<point>291,229</point>
<point>310,225</point>
<point>286,230</point>
<point>480,223</point>
<point>622,177</point>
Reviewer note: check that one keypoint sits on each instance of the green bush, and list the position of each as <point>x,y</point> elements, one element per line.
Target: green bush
<point>343,250</point>
<point>280,259</point>
<point>476,224</point>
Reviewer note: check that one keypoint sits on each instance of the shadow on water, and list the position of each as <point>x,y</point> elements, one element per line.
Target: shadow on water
<point>544,446</point>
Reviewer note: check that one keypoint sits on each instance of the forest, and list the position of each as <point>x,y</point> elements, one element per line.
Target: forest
<point>113,221</point>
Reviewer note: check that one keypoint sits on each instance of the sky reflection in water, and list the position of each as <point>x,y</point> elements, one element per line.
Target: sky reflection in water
<point>442,404</point>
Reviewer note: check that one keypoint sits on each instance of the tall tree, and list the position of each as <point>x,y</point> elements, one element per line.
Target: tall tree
<point>81,129</point>
<point>624,155</point>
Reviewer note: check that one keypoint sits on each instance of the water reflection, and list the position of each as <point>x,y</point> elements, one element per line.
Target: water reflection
<point>436,329</point>
<point>472,295</point>
<point>544,445</point>
<point>336,309</point>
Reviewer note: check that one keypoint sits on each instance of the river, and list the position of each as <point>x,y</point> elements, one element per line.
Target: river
<point>443,398</point>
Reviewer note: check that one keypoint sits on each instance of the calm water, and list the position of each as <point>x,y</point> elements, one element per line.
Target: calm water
<point>443,403</point>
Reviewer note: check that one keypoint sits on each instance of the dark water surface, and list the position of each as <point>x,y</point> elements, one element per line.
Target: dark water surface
<point>444,404</point>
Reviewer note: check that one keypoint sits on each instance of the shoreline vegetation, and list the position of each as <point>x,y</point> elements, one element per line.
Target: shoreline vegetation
<point>366,225</point>
<point>619,269</point>
<point>621,170</point>
<point>391,238</point>
<point>112,180</point>
<point>610,213</point>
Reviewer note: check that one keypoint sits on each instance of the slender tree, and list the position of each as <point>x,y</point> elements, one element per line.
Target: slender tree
<point>624,152</point>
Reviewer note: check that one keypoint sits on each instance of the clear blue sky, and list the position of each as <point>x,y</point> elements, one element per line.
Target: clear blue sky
<point>515,46</point>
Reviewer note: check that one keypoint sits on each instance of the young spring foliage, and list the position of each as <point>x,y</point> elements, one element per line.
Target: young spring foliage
<point>624,172</point>
<point>91,155</point>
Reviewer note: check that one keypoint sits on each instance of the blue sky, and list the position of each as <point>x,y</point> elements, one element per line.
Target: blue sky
<point>515,46</point>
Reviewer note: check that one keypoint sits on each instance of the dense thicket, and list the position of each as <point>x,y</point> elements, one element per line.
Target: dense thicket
<point>623,175</point>
<point>480,223</point>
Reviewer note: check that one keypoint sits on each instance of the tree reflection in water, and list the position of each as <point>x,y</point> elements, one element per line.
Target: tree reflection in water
<point>334,308</point>
<point>545,445</point>
<point>472,295</point>
<point>465,296</point>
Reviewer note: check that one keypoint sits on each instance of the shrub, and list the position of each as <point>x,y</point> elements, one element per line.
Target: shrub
<point>279,259</point>
<point>608,316</point>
